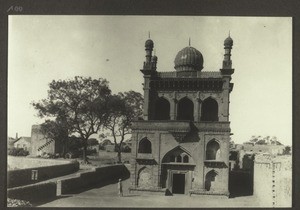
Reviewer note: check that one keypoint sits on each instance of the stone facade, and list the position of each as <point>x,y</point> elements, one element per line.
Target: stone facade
<point>182,144</point>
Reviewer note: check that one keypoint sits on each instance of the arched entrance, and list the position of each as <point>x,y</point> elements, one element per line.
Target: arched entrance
<point>213,150</point>
<point>209,111</point>
<point>185,110</point>
<point>177,167</point>
<point>162,109</point>
<point>210,179</point>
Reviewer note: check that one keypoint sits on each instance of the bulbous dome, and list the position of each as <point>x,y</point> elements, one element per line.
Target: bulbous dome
<point>149,44</point>
<point>228,42</point>
<point>189,59</point>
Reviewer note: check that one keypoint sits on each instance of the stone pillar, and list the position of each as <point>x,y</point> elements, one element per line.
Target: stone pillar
<point>173,109</point>
<point>146,97</point>
<point>224,107</point>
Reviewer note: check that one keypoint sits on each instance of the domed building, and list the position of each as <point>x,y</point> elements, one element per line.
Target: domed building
<point>182,144</point>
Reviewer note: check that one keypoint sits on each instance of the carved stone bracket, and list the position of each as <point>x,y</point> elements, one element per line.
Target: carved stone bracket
<point>179,136</point>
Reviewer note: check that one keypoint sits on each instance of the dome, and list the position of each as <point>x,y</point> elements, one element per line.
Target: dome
<point>189,59</point>
<point>149,44</point>
<point>228,41</point>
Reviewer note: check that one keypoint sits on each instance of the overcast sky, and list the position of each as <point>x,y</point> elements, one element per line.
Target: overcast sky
<point>43,48</point>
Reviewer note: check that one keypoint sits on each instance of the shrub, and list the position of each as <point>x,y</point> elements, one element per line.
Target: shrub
<point>18,152</point>
<point>17,203</point>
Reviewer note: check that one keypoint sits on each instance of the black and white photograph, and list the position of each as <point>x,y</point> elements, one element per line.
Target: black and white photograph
<point>149,111</point>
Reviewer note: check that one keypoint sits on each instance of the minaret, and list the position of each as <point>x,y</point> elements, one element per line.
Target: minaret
<point>148,48</point>
<point>154,61</point>
<point>227,63</point>
<point>227,46</point>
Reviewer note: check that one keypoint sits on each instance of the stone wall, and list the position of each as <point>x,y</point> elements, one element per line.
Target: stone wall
<point>273,180</point>
<point>32,175</point>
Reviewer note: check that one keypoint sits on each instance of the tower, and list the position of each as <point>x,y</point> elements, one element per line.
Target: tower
<point>182,144</point>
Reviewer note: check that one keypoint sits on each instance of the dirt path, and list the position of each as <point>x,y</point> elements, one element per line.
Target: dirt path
<point>108,197</point>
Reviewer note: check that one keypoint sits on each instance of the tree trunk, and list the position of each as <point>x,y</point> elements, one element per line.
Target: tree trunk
<point>84,158</point>
<point>119,154</point>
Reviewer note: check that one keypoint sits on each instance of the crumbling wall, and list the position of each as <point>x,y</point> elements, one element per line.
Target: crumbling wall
<point>273,180</point>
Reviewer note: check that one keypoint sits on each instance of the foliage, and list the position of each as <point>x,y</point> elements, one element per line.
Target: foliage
<point>80,104</point>
<point>17,152</point>
<point>125,108</point>
<point>92,142</point>
<point>287,150</point>
<point>17,203</point>
<point>267,140</point>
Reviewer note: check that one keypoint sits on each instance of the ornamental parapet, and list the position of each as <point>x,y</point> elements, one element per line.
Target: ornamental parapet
<point>181,127</point>
<point>167,125</point>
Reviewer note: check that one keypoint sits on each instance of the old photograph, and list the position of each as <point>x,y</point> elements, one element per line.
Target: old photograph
<point>149,111</point>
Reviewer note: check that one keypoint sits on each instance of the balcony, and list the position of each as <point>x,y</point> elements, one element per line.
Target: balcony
<point>145,158</point>
<point>215,164</point>
<point>178,126</point>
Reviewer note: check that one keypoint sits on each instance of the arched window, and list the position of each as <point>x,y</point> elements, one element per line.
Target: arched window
<point>209,110</point>
<point>185,159</point>
<point>209,179</point>
<point>145,146</point>
<point>162,109</point>
<point>178,159</point>
<point>212,150</point>
<point>185,109</point>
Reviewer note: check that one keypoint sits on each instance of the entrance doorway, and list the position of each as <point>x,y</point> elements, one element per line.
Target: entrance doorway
<point>178,183</point>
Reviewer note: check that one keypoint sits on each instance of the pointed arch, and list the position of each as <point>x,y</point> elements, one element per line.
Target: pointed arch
<point>177,154</point>
<point>213,150</point>
<point>185,110</point>
<point>162,109</point>
<point>210,177</point>
<point>144,177</point>
<point>145,146</point>
<point>209,110</point>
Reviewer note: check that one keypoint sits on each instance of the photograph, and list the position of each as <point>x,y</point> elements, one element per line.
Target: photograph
<point>149,111</point>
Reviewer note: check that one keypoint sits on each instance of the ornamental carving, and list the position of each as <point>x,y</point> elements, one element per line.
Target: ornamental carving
<point>179,136</point>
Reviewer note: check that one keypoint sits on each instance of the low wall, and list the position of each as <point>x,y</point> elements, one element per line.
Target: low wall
<point>22,177</point>
<point>15,163</point>
<point>99,177</point>
<point>42,192</point>
<point>33,193</point>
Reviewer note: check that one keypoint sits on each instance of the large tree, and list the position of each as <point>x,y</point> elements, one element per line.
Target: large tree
<point>83,103</point>
<point>124,108</point>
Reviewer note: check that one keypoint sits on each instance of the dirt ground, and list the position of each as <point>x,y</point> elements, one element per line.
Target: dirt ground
<point>108,197</point>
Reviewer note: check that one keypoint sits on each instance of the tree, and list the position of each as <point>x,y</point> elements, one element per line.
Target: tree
<point>125,108</point>
<point>58,131</point>
<point>83,103</point>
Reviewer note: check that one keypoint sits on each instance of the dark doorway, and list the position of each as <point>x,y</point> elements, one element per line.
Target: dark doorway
<point>162,109</point>
<point>185,109</point>
<point>209,110</point>
<point>178,183</point>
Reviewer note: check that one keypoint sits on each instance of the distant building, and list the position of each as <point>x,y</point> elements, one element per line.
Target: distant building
<point>110,148</point>
<point>23,142</point>
<point>263,148</point>
<point>40,144</point>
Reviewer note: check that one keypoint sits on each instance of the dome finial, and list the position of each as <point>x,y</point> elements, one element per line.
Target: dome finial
<point>229,33</point>
<point>149,34</point>
<point>189,41</point>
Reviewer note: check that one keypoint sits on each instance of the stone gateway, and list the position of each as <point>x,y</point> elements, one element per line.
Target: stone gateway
<point>182,144</point>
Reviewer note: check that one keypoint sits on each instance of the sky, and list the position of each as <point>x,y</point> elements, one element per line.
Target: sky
<point>46,48</point>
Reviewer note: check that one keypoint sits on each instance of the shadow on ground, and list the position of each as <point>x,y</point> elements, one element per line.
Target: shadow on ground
<point>112,180</point>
